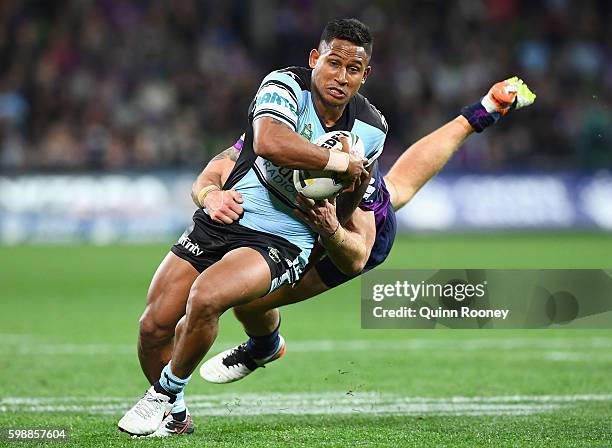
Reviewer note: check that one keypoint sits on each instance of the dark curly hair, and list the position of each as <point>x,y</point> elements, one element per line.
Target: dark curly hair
<point>351,30</point>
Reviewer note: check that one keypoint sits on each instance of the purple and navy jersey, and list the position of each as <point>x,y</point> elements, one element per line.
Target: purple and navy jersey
<point>376,198</point>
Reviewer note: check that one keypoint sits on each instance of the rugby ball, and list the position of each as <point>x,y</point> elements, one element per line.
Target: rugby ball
<point>325,184</point>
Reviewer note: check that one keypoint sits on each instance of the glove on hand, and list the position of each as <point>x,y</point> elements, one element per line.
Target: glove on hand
<point>504,96</point>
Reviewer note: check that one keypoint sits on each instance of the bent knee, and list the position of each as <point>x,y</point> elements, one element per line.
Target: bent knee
<point>205,304</point>
<point>242,311</point>
<point>255,308</point>
<point>152,330</point>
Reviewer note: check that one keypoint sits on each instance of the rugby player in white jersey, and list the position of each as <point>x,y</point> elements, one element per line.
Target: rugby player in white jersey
<point>214,266</point>
<point>371,226</point>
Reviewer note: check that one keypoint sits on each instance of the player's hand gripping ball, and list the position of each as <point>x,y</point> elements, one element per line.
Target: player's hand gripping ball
<point>326,184</point>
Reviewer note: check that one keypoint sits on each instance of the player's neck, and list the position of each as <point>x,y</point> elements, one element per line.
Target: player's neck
<point>329,115</point>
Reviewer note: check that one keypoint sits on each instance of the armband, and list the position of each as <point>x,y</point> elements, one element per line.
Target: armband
<point>204,191</point>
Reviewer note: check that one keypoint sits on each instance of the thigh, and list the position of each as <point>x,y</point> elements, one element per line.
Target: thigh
<point>241,276</point>
<point>169,290</point>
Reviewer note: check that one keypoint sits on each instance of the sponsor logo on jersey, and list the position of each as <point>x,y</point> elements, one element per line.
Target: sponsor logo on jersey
<point>192,247</point>
<point>307,131</point>
<point>274,254</point>
<point>279,177</point>
<point>275,98</point>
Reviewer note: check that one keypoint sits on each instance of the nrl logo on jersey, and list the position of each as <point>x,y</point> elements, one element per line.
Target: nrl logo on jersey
<point>307,131</point>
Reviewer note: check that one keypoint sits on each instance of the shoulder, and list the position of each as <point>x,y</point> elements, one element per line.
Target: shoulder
<point>301,75</point>
<point>369,114</point>
<point>298,78</point>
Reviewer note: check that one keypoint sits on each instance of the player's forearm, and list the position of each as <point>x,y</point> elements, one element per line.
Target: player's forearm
<point>350,246</point>
<point>347,203</point>
<point>424,159</point>
<point>347,246</point>
<point>280,145</point>
<point>349,254</point>
<point>215,172</point>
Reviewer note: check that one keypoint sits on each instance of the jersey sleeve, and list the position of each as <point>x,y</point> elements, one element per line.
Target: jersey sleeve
<point>239,143</point>
<point>372,127</point>
<point>376,149</point>
<point>279,97</point>
<point>378,139</point>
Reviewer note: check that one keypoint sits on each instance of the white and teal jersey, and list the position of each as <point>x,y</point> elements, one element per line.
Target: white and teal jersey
<point>267,190</point>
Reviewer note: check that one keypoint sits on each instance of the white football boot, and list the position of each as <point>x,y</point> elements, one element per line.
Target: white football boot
<point>146,415</point>
<point>236,363</point>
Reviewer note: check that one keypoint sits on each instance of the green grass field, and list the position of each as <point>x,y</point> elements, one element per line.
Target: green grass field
<point>67,359</point>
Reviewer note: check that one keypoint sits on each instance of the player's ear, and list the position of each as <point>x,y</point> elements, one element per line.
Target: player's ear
<point>313,57</point>
<point>366,73</point>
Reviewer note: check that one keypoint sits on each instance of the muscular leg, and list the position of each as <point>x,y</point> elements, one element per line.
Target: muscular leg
<point>166,302</point>
<point>241,276</point>
<point>261,316</point>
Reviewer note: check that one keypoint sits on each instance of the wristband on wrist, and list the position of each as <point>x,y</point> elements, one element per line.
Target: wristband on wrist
<point>478,117</point>
<point>338,161</point>
<point>204,191</point>
<point>337,237</point>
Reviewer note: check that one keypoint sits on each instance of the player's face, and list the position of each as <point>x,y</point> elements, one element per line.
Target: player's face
<point>339,70</point>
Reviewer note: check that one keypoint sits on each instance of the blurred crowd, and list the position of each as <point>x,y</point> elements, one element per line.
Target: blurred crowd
<point>120,84</point>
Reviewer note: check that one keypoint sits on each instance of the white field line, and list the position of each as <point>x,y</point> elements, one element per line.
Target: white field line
<point>29,346</point>
<point>14,337</point>
<point>325,403</point>
<point>565,356</point>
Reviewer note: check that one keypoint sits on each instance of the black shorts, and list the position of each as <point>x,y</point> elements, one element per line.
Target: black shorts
<point>205,242</point>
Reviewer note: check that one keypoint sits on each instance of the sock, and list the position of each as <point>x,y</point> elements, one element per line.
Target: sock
<point>263,346</point>
<point>179,410</point>
<point>160,390</point>
<point>172,383</point>
<point>180,416</point>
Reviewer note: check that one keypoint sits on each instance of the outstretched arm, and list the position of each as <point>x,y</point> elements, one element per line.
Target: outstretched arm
<point>425,158</point>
